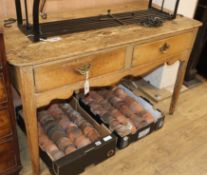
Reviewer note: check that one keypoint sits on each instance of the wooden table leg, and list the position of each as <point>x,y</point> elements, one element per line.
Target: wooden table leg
<point>30,117</point>
<point>178,86</point>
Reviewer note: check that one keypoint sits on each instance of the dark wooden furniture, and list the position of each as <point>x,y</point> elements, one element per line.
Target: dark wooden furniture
<point>202,12</point>
<point>203,62</point>
<point>9,150</point>
<point>198,60</point>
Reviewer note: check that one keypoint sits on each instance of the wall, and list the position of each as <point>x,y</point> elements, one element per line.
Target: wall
<point>7,7</point>
<point>186,7</point>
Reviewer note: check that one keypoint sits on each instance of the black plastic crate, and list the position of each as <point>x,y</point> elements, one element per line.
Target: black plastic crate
<point>76,162</point>
<point>123,142</point>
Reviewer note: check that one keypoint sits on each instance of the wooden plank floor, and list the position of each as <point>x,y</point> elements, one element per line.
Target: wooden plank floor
<point>180,148</point>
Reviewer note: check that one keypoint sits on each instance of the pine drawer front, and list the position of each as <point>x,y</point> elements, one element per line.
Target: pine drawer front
<point>5,123</point>
<point>3,95</point>
<point>149,53</point>
<point>7,156</point>
<point>60,74</point>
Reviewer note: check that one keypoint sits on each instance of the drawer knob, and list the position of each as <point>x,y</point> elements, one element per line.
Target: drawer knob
<point>164,48</point>
<point>83,69</point>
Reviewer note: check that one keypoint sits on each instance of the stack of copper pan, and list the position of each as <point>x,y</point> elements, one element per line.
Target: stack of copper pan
<point>62,130</point>
<point>118,110</point>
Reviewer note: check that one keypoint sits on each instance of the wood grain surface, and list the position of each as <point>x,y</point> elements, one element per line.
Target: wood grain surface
<point>152,51</point>
<point>67,72</point>
<point>3,95</point>
<point>23,52</point>
<point>5,124</point>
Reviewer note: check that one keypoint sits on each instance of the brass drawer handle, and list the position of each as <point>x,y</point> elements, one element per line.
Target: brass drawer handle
<point>165,48</point>
<point>83,69</point>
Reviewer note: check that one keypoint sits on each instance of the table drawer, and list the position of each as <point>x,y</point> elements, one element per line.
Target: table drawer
<point>57,75</point>
<point>3,95</point>
<point>5,123</point>
<point>148,53</point>
<point>7,156</point>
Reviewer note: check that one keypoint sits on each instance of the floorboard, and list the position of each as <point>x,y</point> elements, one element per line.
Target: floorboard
<point>180,148</point>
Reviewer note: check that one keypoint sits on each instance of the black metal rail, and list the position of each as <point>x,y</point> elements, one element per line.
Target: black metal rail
<point>39,30</point>
<point>99,22</point>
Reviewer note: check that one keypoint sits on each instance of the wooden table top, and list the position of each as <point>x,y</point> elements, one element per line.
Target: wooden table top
<point>22,52</point>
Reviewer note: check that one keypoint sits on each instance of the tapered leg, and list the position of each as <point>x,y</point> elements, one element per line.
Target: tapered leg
<point>178,85</point>
<point>30,117</point>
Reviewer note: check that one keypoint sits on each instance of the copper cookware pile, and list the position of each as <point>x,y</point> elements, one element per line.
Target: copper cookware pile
<point>62,130</point>
<point>121,112</point>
